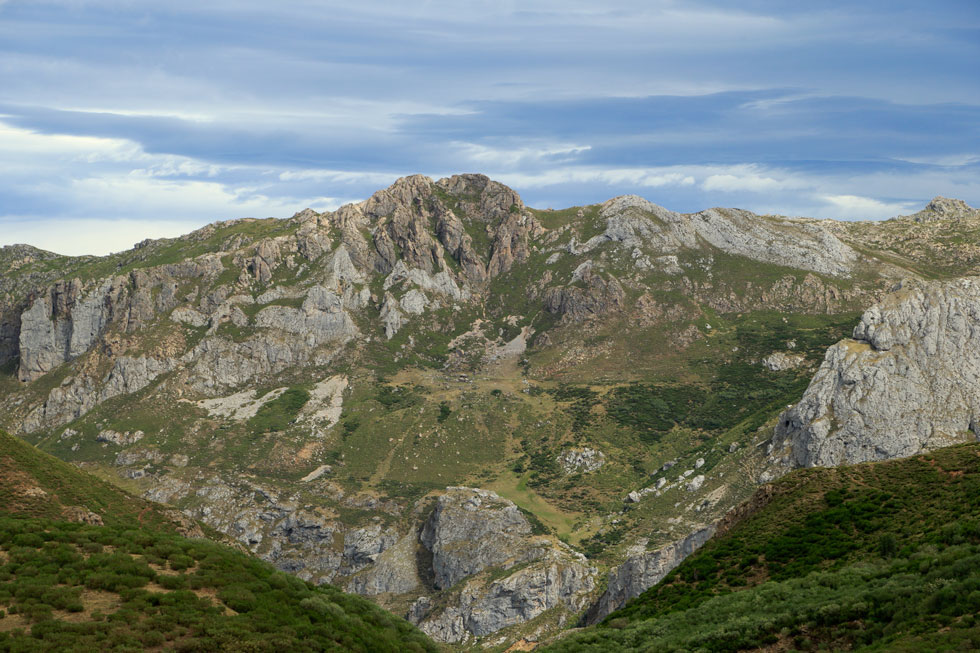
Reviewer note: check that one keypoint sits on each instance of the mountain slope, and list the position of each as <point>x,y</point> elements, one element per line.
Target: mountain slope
<point>118,577</point>
<point>878,556</point>
<point>314,387</point>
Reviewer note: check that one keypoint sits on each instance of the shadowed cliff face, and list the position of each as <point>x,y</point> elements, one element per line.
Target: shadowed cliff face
<point>334,389</point>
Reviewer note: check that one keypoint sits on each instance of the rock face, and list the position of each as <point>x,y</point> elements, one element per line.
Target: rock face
<point>636,222</point>
<point>473,530</point>
<point>560,579</point>
<point>470,530</point>
<point>394,571</point>
<point>61,325</point>
<point>905,383</point>
<point>641,572</point>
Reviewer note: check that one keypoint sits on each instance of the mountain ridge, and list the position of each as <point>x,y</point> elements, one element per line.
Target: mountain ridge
<point>313,387</point>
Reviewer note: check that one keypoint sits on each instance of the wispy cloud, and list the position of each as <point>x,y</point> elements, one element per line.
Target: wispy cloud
<point>848,206</point>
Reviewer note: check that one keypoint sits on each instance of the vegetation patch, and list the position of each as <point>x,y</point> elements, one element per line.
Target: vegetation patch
<point>278,414</point>
<point>880,556</point>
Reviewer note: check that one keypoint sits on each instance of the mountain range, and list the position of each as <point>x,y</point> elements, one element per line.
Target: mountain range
<point>501,422</point>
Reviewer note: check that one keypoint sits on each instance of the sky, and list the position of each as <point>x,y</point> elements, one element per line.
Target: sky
<point>127,119</point>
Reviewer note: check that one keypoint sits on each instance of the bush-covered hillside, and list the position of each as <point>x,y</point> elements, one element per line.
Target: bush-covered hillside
<point>133,584</point>
<point>882,556</point>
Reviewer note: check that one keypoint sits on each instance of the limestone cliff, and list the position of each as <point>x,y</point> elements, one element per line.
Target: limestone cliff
<point>905,383</point>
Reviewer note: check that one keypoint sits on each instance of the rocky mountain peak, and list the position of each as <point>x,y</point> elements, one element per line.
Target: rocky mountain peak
<point>944,208</point>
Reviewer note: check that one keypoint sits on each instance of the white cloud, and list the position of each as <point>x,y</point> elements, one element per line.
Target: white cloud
<point>152,196</point>
<point>379,179</point>
<point>108,193</point>
<point>754,183</point>
<point>948,160</point>
<point>855,207</point>
<point>483,155</point>
<point>640,177</point>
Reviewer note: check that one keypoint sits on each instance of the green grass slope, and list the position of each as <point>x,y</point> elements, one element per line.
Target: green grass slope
<point>36,484</point>
<point>134,584</point>
<point>882,556</point>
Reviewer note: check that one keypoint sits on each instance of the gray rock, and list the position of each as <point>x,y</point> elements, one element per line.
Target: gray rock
<point>472,529</point>
<point>132,374</point>
<point>780,361</point>
<point>418,610</point>
<point>448,626</point>
<point>944,208</point>
<point>135,456</point>
<point>560,579</point>
<point>188,316</point>
<point>782,241</point>
<point>636,223</point>
<point>391,316</point>
<point>904,384</point>
<point>641,572</point>
<point>60,325</point>
<point>122,439</point>
<point>394,571</point>
<point>414,302</point>
<point>581,460</point>
<point>321,319</point>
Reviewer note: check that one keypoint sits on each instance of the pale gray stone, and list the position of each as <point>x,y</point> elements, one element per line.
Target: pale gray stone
<point>904,384</point>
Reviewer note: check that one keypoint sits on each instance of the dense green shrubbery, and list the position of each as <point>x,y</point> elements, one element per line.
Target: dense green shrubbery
<point>396,397</point>
<point>444,411</point>
<point>279,413</point>
<point>50,567</point>
<point>653,410</point>
<point>582,400</point>
<point>595,545</point>
<point>885,555</point>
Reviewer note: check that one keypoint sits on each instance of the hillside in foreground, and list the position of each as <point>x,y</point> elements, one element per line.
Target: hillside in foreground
<point>85,567</point>
<point>878,556</point>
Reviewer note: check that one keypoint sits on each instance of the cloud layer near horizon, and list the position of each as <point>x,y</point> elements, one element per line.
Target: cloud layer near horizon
<point>123,120</point>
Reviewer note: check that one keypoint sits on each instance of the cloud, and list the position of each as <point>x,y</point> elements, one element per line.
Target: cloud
<point>751,182</point>
<point>610,177</point>
<point>543,154</point>
<point>854,207</point>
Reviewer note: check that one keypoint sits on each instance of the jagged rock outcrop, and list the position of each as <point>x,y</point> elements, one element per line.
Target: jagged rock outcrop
<point>281,531</point>
<point>598,297</point>
<point>472,529</point>
<point>944,208</point>
<point>779,361</point>
<point>583,460</point>
<point>561,579</point>
<point>905,383</point>
<point>394,570</point>
<point>641,572</point>
<point>638,223</point>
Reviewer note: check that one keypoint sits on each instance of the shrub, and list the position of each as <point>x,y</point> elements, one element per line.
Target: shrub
<point>444,411</point>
